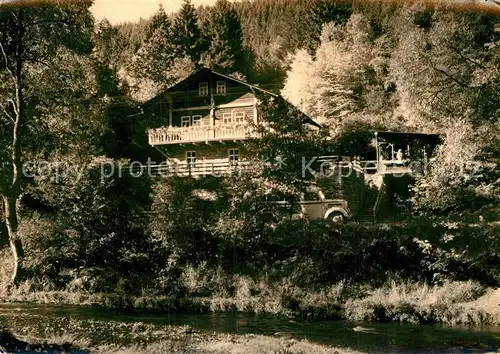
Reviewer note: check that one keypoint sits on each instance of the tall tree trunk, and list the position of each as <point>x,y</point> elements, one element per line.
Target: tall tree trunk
<point>15,191</point>
<point>15,243</point>
<point>11,193</point>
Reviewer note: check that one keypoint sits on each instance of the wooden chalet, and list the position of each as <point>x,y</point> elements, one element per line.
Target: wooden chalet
<point>200,122</point>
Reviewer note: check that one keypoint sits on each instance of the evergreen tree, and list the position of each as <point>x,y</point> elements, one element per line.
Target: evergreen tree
<point>186,33</point>
<point>107,54</point>
<point>108,44</point>
<point>159,21</point>
<point>156,56</point>
<point>223,30</point>
<point>322,12</point>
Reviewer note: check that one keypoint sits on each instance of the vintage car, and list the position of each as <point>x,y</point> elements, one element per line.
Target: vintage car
<point>314,205</point>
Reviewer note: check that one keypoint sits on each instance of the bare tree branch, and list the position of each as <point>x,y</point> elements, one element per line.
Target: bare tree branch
<point>8,115</point>
<point>11,101</point>
<point>466,58</point>
<point>40,62</point>
<point>6,59</point>
<point>458,82</point>
<point>434,95</point>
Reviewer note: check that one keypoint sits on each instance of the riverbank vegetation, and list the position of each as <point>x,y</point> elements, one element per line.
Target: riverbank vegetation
<point>329,274</point>
<point>94,337</point>
<point>453,303</point>
<point>75,232</point>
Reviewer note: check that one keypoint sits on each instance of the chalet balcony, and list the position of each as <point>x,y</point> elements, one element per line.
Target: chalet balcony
<point>199,169</point>
<point>220,167</point>
<point>199,134</point>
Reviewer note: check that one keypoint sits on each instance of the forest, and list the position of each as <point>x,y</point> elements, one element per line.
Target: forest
<point>71,90</point>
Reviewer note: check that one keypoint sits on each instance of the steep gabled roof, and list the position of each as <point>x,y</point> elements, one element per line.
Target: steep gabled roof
<point>208,70</point>
<point>178,85</point>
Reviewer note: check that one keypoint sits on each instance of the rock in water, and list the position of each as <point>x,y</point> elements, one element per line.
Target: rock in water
<point>364,329</point>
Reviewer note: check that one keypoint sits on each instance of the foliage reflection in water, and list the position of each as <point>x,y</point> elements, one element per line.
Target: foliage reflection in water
<point>382,337</point>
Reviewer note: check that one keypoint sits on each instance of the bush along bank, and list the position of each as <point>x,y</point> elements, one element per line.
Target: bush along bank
<point>400,272</point>
<point>456,302</point>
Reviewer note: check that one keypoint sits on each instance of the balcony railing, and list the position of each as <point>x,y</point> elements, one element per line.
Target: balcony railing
<point>220,167</point>
<point>179,135</point>
<point>201,168</point>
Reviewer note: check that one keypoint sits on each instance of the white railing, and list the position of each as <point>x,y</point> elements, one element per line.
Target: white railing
<point>219,167</point>
<point>363,166</point>
<point>179,135</point>
<point>201,168</point>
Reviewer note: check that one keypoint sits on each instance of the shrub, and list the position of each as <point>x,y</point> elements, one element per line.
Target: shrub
<point>465,174</point>
<point>6,266</point>
<point>95,225</point>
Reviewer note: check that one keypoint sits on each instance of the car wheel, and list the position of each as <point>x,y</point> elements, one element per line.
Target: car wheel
<point>336,217</point>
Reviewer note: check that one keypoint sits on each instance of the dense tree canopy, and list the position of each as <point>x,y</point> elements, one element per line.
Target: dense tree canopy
<point>225,39</point>
<point>156,57</point>
<point>414,74</point>
<point>186,33</point>
<point>43,76</point>
<point>70,94</point>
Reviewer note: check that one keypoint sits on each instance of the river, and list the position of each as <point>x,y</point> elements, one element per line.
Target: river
<point>368,337</point>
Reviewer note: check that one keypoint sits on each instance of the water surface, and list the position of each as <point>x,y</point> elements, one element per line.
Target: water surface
<point>368,337</point>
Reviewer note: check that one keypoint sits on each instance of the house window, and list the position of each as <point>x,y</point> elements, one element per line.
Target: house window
<point>234,155</point>
<point>227,118</point>
<point>239,117</point>
<point>221,88</point>
<point>196,121</point>
<point>191,158</point>
<point>203,89</point>
<point>185,121</point>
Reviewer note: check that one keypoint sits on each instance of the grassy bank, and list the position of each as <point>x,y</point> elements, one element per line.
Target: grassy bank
<point>235,344</point>
<point>451,303</point>
<point>88,336</point>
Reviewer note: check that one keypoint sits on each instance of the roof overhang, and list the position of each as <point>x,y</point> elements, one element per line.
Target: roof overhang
<point>408,136</point>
